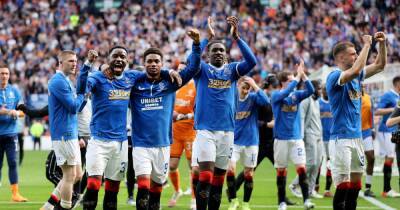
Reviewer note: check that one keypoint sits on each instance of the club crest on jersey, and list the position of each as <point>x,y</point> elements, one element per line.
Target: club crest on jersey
<point>294,98</point>
<point>127,81</point>
<point>12,95</point>
<point>118,95</point>
<point>354,94</point>
<point>162,86</point>
<point>226,71</point>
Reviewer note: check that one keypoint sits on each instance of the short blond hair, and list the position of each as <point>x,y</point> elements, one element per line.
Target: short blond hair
<point>61,56</point>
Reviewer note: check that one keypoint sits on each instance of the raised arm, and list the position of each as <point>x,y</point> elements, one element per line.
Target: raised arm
<point>249,59</point>
<point>84,72</point>
<point>282,94</point>
<point>210,34</point>
<point>63,93</point>
<point>355,71</point>
<point>302,94</point>
<point>381,58</point>
<point>193,65</point>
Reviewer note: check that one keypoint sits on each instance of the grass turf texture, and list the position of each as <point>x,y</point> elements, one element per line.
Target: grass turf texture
<point>34,186</point>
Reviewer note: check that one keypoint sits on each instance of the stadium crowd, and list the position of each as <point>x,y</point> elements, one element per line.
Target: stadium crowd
<point>39,37</point>
<point>32,33</point>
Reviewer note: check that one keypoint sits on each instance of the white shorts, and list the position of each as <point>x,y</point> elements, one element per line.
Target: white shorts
<point>285,149</point>
<point>248,154</point>
<point>347,156</point>
<point>153,161</point>
<point>194,155</point>
<point>368,144</point>
<point>213,146</point>
<point>386,147</point>
<point>67,152</point>
<point>107,157</point>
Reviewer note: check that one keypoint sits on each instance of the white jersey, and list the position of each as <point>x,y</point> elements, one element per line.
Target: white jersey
<point>84,119</point>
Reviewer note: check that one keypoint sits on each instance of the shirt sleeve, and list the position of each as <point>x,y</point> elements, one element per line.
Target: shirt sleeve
<point>261,98</point>
<point>282,94</point>
<point>249,62</point>
<point>383,102</point>
<point>82,79</point>
<point>91,84</point>
<point>333,80</point>
<point>192,68</point>
<point>309,90</point>
<point>64,94</point>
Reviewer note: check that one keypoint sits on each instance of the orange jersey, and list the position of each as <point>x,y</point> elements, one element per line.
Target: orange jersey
<point>366,112</point>
<point>184,104</point>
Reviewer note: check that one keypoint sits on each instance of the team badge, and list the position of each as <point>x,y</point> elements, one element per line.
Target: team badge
<point>162,86</point>
<point>226,71</point>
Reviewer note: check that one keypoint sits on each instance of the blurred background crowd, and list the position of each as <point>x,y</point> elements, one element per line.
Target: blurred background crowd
<point>278,31</point>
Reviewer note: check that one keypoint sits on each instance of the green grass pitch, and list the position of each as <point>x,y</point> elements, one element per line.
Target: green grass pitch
<point>36,188</point>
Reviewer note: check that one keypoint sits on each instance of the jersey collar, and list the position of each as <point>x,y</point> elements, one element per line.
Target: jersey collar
<point>61,72</point>
<point>5,88</point>
<point>216,68</point>
<point>395,92</point>
<point>245,98</point>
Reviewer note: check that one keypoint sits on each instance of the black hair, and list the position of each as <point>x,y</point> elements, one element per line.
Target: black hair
<point>117,47</point>
<point>215,41</point>
<point>271,80</point>
<point>152,50</point>
<point>396,80</point>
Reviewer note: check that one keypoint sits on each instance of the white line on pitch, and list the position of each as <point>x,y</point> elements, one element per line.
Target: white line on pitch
<point>375,202</point>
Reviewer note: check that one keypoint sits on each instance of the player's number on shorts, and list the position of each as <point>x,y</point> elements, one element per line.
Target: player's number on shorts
<point>299,151</point>
<point>253,158</point>
<point>123,167</point>
<point>165,168</point>
<point>362,160</point>
<point>230,152</point>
